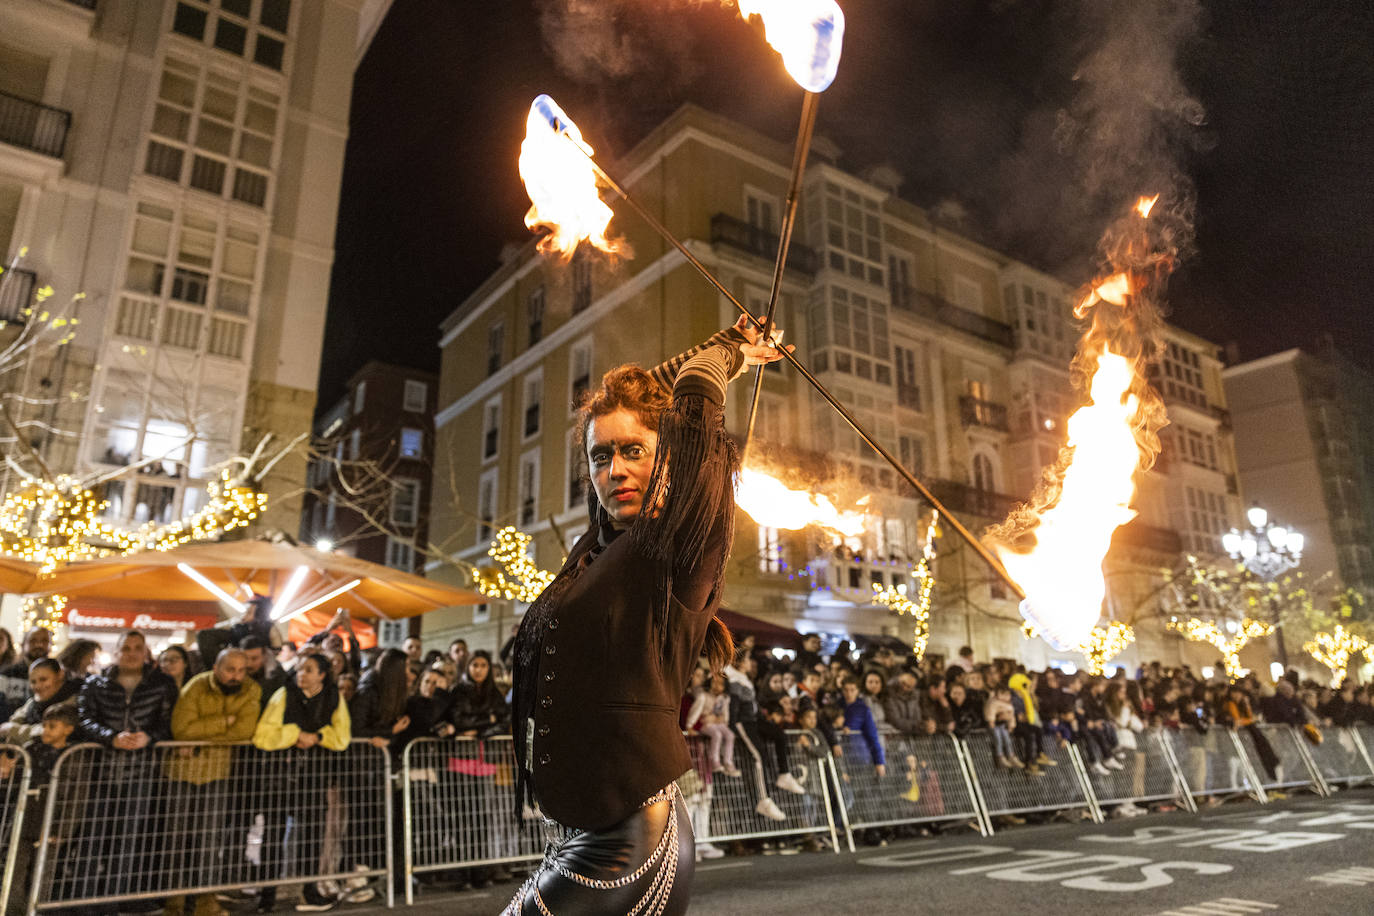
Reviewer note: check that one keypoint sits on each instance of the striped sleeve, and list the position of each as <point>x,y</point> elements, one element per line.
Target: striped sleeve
<point>669,373</point>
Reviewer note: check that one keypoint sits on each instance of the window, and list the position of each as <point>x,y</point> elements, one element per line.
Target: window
<point>855,323</point>
<point>534,394</point>
<point>911,452</point>
<point>234,26</point>
<point>761,210</point>
<point>405,502</point>
<point>771,425</point>
<point>219,125</point>
<point>579,372</point>
<point>491,427</point>
<point>848,226</point>
<point>908,389</point>
<point>899,286</point>
<point>983,478</point>
<point>770,551</point>
<point>416,396</point>
<point>496,342</point>
<point>412,443</point>
<point>529,488</point>
<point>582,281</point>
<point>577,471</point>
<point>486,505</point>
<point>359,397</point>
<point>400,554</point>
<point>534,316</point>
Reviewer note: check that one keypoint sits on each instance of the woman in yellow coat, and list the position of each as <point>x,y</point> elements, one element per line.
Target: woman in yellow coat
<point>304,721</point>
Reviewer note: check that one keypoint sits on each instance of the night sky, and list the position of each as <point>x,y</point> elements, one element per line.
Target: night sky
<point>992,109</point>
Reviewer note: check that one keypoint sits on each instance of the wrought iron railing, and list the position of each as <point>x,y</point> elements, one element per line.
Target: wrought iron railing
<point>913,301</point>
<point>33,126</point>
<point>728,230</point>
<point>16,293</point>
<point>975,412</point>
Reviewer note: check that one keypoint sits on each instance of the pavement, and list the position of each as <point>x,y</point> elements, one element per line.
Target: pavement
<point>1300,855</point>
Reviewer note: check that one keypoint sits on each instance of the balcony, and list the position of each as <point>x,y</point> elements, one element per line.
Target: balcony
<point>32,126</point>
<point>736,233</point>
<point>1147,537</point>
<point>966,500</point>
<point>974,412</point>
<point>16,293</point>
<point>913,301</point>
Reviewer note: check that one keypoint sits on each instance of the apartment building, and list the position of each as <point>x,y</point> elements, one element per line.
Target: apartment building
<point>179,163</point>
<point>953,355</point>
<point>369,480</point>
<point>1304,432</point>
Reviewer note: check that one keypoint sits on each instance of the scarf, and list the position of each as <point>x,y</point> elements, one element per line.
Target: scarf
<point>1020,683</point>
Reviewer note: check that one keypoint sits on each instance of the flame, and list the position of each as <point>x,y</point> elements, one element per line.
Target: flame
<point>770,503</point>
<point>1062,574</point>
<point>562,183</point>
<point>1145,205</point>
<point>809,34</point>
<point>1115,289</point>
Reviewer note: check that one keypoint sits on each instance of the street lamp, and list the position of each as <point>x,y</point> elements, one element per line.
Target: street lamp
<point>1267,550</point>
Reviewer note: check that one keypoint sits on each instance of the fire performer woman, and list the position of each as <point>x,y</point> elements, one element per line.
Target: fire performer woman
<point>603,655</point>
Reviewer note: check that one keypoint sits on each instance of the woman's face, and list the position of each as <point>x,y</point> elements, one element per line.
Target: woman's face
<point>851,691</point>
<point>789,680</point>
<point>620,456</point>
<point>429,684</point>
<point>873,684</point>
<point>698,677</point>
<point>775,683</point>
<point>172,665</point>
<point>956,694</point>
<point>479,670</point>
<point>44,683</point>
<point>309,677</point>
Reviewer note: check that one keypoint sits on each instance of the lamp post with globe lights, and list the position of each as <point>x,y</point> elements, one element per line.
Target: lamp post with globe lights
<point>1267,550</point>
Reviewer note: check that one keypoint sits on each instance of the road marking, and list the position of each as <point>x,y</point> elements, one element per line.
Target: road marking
<point>1358,876</point>
<point>1226,906</point>
<point>724,865</point>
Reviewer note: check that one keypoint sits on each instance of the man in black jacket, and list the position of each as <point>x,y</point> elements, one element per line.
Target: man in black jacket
<point>127,707</point>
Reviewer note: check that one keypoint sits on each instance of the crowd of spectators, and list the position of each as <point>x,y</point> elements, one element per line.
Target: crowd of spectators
<point>762,720</point>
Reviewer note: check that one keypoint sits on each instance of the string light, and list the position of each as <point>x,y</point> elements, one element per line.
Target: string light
<point>895,597</point>
<point>1334,650</point>
<point>1206,631</point>
<point>52,523</point>
<point>1102,645</point>
<point>516,577</point>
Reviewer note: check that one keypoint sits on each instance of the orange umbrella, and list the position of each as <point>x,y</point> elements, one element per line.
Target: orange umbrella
<point>17,577</point>
<point>297,579</point>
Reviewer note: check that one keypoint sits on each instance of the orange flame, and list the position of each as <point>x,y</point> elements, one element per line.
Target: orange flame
<point>807,33</point>
<point>1063,572</point>
<point>772,504</point>
<point>1115,289</point>
<point>561,183</point>
<point>1087,495</point>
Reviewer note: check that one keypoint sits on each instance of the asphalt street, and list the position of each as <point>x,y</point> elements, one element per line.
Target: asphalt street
<point>1300,855</point>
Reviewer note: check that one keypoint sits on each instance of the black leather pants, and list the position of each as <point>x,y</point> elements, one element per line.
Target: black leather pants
<point>643,865</point>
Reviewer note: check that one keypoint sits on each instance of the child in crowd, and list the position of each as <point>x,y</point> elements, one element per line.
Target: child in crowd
<point>712,711</point>
<point>1001,717</point>
<point>60,722</point>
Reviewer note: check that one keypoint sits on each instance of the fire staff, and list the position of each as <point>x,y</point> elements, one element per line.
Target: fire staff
<point>603,655</point>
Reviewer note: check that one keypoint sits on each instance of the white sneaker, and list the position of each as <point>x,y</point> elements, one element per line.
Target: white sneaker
<point>788,783</point>
<point>1113,764</point>
<point>1099,769</point>
<point>709,851</point>
<point>769,809</point>
<point>354,884</point>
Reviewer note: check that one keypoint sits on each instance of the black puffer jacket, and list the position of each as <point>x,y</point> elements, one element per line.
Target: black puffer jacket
<point>106,710</point>
<point>481,710</point>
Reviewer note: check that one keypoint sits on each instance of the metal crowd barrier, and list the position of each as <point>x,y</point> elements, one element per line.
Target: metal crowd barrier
<point>927,780</point>
<point>724,808</point>
<point>189,818</point>
<point>459,798</point>
<point>1294,769</point>
<point>1063,786</point>
<point>1148,773</point>
<point>1342,758</point>
<point>16,832</point>
<point>1213,763</point>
